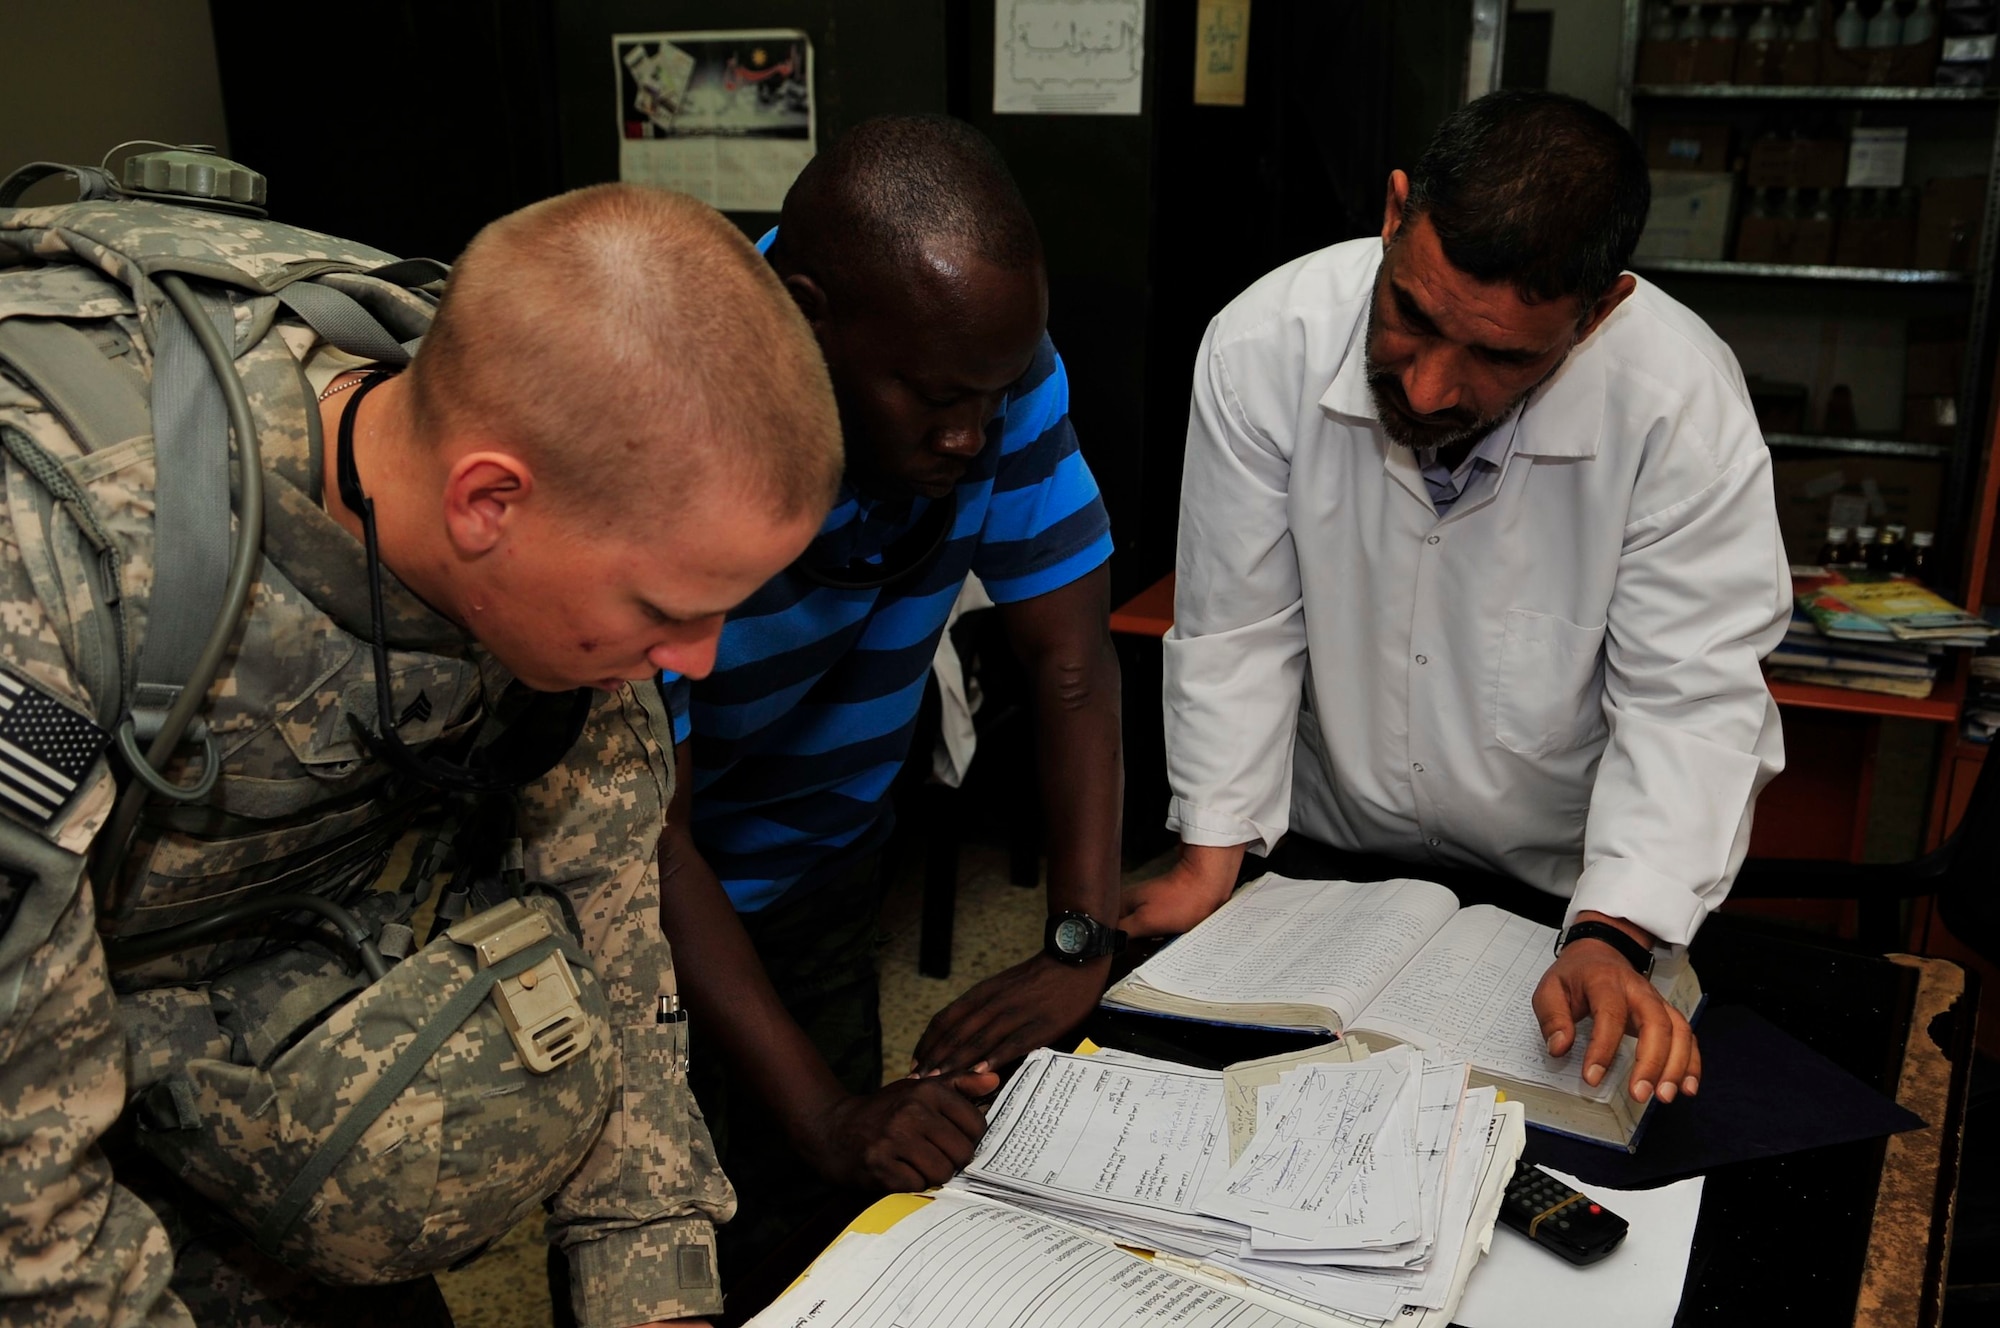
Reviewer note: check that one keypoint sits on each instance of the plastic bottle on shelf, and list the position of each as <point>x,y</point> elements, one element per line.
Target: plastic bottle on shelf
<point>1838,551</point>
<point>1691,27</point>
<point>1886,28</point>
<point>1807,28</point>
<point>1919,25</point>
<point>1923,555</point>
<point>1662,27</point>
<point>1764,28</point>
<point>1725,27</point>
<point>1850,30</point>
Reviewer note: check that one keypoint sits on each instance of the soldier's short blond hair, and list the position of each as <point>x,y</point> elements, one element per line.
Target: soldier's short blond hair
<point>633,348</point>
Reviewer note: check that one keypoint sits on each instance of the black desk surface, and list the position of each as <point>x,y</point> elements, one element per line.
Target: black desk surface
<point>1781,1240</point>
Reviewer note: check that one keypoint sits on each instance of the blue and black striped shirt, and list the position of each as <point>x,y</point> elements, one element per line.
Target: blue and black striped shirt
<point>808,715</point>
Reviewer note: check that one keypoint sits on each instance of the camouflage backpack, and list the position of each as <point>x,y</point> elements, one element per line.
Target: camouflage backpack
<point>367,1126</point>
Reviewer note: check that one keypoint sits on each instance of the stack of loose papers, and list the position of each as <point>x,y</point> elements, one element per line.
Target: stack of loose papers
<point>1362,1187</point>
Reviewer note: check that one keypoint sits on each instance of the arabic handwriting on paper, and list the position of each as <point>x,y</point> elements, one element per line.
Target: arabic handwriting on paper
<point>1285,943</point>
<point>1221,52</point>
<point>1068,57</point>
<point>1471,991</point>
<point>1110,1130</point>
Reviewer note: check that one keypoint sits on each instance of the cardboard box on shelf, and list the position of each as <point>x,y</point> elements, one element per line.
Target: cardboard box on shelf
<point>1894,489</point>
<point>1862,241</point>
<point>1797,163</point>
<point>1689,216</point>
<point>1949,217</point>
<point>1688,147</point>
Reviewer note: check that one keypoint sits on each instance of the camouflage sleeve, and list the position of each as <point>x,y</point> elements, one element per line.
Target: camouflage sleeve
<point>637,1218</point>
<point>75,1247</point>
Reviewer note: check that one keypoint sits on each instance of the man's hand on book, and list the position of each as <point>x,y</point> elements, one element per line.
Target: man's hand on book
<point>908,1135</point>
<point>1198,883</point>
<point>1011,1013</point>
<point>1591,979</point>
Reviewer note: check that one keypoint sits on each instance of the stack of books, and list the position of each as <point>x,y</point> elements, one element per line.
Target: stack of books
<point>1886,635</point>
<point>1982,698</point>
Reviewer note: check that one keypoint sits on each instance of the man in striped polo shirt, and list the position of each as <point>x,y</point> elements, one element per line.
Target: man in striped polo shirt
<point>920,270</point>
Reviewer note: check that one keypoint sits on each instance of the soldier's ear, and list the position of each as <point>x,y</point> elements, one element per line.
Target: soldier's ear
<point>483,492</point>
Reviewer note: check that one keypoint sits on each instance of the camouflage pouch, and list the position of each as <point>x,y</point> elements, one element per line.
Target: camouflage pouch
<point>371,1133</point>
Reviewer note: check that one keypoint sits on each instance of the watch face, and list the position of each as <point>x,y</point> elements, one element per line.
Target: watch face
<point>1073,935</point>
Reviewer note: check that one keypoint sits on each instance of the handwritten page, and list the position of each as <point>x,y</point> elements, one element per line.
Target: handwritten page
<point>1327,943</point>
<point>1311,1141</point>
<point>1469,995</point>
<point>1136,1135</point>
<point>1241,1081</point>
<point>964,1263</point>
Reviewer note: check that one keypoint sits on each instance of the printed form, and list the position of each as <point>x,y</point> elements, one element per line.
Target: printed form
<point>1139,1138</point>
<point>965,1263</point>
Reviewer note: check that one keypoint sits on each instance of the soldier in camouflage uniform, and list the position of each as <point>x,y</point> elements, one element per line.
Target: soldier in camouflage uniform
<point>696,451</point>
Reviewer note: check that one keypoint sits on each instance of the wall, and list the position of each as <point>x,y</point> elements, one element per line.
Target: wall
<point>1583,48</point>
<point>85,74</point>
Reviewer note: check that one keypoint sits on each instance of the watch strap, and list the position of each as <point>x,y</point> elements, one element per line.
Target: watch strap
<point>1635,954</point>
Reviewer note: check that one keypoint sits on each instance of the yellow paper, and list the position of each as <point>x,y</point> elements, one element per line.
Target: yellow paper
<point>1221,52</point>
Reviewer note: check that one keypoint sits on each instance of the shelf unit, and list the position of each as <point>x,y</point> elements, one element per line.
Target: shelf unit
<point>1888,447</point>
<point>1729,267</point>
<point>1961,459</point>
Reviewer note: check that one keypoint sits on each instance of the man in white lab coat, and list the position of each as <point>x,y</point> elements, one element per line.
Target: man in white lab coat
<point>1486,524</point>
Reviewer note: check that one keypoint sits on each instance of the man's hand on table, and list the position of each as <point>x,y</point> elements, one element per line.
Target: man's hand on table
<point>1010,1014</point>
<point>908,1135</point>
<point>1590,978</point>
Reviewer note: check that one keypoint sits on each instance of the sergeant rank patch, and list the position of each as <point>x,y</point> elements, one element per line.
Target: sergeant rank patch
<point>46,749</point>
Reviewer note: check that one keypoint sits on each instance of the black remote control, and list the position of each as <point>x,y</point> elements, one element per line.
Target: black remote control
<point>1560,1219</point>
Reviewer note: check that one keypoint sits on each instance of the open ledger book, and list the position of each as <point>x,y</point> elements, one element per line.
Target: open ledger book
<point>1400,962</point>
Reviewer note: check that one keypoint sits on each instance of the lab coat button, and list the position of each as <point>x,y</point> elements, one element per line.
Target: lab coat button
<point>1433,539</point>
<point>1423,659</point>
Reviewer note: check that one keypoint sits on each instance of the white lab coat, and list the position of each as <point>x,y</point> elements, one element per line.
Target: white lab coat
<point>1557,681</point>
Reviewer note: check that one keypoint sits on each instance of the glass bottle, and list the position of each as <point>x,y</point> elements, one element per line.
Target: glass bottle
<point>1691,27</point>
<point>1888,554</point>
<point>1662,27</point>
<point>1923,555</point>
<point>1764,28</point>
<point>1864,540</point>
<point>1725,29</point>
<point>1838,551</point>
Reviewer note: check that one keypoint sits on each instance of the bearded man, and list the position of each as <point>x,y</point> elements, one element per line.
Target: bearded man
<point>1478,556</point>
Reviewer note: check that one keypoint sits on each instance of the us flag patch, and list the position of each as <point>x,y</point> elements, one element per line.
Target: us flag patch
<point>45,750</point>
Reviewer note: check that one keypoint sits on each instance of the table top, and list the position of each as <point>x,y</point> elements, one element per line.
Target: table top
<point>1855,1233</point>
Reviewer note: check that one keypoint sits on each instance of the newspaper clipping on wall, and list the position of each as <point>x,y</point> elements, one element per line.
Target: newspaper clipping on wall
<point>725,116</point>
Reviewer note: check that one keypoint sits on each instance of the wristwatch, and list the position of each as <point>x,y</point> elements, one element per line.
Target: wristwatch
<point>1077,938</point>
<point>1635,954</point>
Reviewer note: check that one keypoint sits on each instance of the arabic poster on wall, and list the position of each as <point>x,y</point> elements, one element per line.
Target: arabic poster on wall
<point>1068,57</point>
<point>1221,52</point>
<point>725,116</point>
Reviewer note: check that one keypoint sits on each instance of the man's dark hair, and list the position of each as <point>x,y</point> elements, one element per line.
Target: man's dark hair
<point>894,187</point>
<point>1535,189</point>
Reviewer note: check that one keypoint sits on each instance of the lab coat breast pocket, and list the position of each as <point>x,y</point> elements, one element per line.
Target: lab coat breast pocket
<point>1548,687</point>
